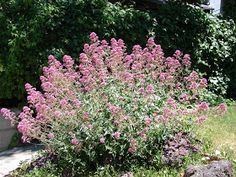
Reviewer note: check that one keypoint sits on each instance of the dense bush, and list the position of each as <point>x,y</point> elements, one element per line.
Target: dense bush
<point>229,9</point>
<point>210,41</point>
<point>31,30</point>
<point>113,108</point>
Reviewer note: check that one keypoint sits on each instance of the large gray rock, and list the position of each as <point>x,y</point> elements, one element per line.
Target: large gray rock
<point>222,168</point>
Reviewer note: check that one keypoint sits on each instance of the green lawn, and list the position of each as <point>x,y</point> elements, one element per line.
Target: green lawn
<point>221,131</point>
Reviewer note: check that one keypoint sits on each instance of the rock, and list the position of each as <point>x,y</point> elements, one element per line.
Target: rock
<point>222,168</point>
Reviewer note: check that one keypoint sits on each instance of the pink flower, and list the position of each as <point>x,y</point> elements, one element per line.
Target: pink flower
<point>141,90</point>
<point>22,116</point>
<point>74,141</point>
<point>76,103</point>
<point>201,119</point>
<point>184,97</point>
<point>177,52</point>
<point>86,116</point>
<point>28,87</point>
<point>150,89</point>
<point>148,120</point>
<point>93,37</point>
<point>47,86</point>
<point>26,109</point>
<point>186,60</point>
<point>90,126</point>
<point>169,78</point>
<point>172,63</point>
<point>116,135</point>
<point>63,103</point>
<point>104,42</point>
<point>193,76</point>
<point>193,86</point>
<point>128,77</point>
<point>132,150</point>
<point>143,133</point>
<point>24,127</point>
<point>114,43</point>
<point>167,112</point>
<point>57,114</point>
<point>50,135</point>
<point>203,106</point>
<point>222,108</point>
<point>146,129</point>
<point>136,66</point>
<point>171,102</point>
<point>102,140</point>
<point>203,83</point>
<point>162,76</point>
<point>113,109</point>
<point>51,59</point>
<point>8,115</point>
<point>150,42</point>
<point>68,61</point>
<point>121,43</point>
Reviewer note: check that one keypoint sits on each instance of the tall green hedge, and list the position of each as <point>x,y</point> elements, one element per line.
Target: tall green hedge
<point>32,29</point>
<point>229,9</point>
<point>210,41</point>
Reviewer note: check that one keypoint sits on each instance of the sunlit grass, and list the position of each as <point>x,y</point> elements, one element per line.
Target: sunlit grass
<point>221,131</point>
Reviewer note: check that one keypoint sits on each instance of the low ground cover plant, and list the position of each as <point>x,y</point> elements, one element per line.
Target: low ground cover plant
<point>113,107</point>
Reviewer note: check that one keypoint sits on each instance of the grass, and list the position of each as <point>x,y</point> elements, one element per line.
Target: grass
<point>221,131</point>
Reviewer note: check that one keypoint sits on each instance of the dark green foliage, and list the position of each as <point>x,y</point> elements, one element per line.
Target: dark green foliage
<point>32,29</point>
<point>209,40</point>
<point>15,140</point>
<point>229,9</point>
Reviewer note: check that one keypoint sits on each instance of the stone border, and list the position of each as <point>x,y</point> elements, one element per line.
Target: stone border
<point>6,131</point>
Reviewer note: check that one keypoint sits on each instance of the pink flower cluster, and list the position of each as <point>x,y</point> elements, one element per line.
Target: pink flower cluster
<point>132,93</point>
<point>222,108</point>
<point>8,114</point>
<point>74,141</point>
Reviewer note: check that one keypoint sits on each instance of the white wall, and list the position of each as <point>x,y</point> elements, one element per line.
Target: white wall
<point>216,5</point>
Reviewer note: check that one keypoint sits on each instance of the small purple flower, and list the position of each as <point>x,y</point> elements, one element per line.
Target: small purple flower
<point>50,136</point>
<point>203,106</point>
<point>150,89</point>
<point>116,135</point>
<point>148,120</point>
<point>201,119</point>
<point>177,52</point>
<point>102,140</point>
<point>86,115</point>
<point>74,141</point>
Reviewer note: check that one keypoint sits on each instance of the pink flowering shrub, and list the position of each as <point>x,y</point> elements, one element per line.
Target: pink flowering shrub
<point>112,106</point>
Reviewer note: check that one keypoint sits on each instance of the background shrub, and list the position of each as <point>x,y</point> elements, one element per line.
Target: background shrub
<point>209,40</point>
<point>229,9</point>
<point>31,30</point>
